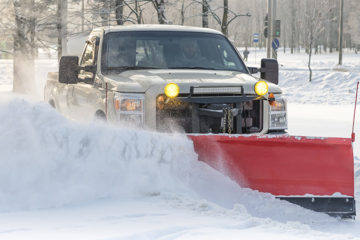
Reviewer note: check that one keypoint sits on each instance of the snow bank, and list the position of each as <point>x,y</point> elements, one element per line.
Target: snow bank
<point>326,87</point>
<point>48,161</point>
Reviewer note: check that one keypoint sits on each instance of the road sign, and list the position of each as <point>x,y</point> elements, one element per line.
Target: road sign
<point>256,37</point>
<point>275,43</point>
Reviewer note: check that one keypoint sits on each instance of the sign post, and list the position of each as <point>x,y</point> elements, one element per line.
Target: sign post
<point>255,40</point>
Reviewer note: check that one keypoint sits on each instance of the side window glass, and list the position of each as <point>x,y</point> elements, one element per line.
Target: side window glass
<point>87,76</point>
<point>228,59</point>
<point>88,57</point>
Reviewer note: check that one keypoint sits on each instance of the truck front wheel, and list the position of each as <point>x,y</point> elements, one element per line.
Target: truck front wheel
<point>100,116</point>
<point>52,103</point>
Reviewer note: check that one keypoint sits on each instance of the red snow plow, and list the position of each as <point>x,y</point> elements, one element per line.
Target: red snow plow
<point>316,173</point>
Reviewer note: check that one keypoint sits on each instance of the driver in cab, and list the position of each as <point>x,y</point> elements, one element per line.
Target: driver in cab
<point>191,56</point>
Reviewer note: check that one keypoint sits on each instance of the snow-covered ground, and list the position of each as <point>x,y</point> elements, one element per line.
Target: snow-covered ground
<point>42,67</point>
<point>65,180</point>
<point>331,84</point>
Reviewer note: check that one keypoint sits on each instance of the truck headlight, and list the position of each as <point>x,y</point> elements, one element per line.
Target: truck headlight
<point>261,88</point>
<point>278,114</point>
<point>129,108</point>
<point>171,90</point>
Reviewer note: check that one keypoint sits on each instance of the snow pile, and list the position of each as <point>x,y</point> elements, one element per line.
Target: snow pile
<point>48,161</point>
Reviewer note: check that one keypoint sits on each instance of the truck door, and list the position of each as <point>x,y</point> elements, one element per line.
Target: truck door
<point>85,95</point>
<point>65,91</point>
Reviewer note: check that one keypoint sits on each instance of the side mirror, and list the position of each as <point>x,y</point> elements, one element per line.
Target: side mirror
<point>270,70</point>
<point>68,69</point>
<point>253,70</point>
<point>95,40</point>
<point>89,68</point>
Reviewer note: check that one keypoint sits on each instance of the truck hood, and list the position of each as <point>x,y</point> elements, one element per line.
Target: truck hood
<point>142,80</point>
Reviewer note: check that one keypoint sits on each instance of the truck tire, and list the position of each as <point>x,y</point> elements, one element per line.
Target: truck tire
<point>52,104</point>
<point>100,116</point>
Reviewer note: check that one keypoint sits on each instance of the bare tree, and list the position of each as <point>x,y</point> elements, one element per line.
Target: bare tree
<point>293,18</point>
<point>315,18</point>
<point>205,13</point>
<point>159,6</point>
<point>136,8</point>
<point>224,22</point>
<point>353,20</point>
<point>32,25</point>
<point>119,11</point>
<point>24,46</point>
<point>62,26</point>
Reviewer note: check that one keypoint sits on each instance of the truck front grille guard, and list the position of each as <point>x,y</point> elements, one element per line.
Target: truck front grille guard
<point>235,104</point>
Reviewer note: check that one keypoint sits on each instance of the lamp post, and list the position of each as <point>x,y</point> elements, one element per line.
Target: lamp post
<point>269,39</point>
<point>340,42</point>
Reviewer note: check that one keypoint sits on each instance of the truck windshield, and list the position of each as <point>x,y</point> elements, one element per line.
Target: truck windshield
<point>123,51</point>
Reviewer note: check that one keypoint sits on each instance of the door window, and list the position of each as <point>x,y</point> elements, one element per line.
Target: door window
<point>88,57</point>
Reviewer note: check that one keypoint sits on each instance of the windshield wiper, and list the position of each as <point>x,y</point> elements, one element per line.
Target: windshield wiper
<point>126,68</point>
<point>204,68</point>
<point>207,68</point>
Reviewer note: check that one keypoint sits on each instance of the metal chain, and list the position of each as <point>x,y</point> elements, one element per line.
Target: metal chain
<point>230,121</point>
<point>224,121</point>
<point>227,121</point>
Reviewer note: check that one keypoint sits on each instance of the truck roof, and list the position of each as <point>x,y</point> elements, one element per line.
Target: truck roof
<point>156,27</point>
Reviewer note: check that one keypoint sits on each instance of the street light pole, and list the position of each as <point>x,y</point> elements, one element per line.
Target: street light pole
<point>82,15</point>
<point>340,42</point>
<point>273,6</point>
<point>269,38</point>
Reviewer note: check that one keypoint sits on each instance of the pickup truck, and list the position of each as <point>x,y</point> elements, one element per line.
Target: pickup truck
<point>165,77</point>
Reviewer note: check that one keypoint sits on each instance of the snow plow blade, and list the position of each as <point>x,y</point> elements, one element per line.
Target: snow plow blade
<point>315,173</point>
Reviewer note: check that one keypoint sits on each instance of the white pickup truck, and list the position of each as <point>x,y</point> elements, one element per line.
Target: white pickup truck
<point>164,77</point>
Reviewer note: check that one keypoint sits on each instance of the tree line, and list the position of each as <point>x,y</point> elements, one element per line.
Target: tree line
<point>28,25</point>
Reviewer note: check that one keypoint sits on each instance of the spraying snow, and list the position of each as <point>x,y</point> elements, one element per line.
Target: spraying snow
<point>49,161</point>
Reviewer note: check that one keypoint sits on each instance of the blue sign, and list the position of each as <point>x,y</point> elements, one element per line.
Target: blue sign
<point>256,37</point>
<point>275,43</point>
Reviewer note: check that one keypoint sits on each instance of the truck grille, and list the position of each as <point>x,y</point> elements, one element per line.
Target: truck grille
<point>174,114</point>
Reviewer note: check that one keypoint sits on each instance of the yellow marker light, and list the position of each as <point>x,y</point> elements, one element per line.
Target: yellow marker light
<point>261,88</point>
<point>171,90</point>
<point>117,104</point>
